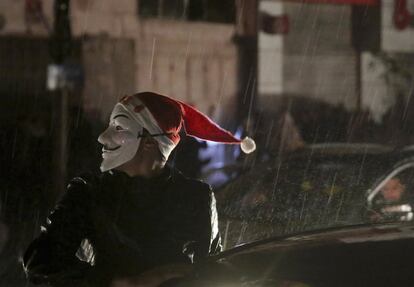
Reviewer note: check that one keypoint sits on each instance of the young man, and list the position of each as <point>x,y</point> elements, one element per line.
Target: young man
<point>139,221</point>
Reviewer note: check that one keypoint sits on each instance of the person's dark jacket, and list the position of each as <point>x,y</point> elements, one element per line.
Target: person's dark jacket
<point>115,226</point>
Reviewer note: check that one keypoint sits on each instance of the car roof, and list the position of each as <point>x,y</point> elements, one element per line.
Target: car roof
<point>349,148</point>
<point>380,157</point>
<point>345,151</point>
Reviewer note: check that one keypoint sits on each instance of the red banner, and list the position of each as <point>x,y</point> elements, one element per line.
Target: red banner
<point>402,16</point>
<point>348,2</point>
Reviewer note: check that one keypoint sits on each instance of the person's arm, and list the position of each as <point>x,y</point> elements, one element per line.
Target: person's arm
<point>52,256</point>
<point>215,245</point>
<point>202,224</point>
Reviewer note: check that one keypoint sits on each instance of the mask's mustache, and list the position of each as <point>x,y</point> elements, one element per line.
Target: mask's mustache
<point>111,149</point>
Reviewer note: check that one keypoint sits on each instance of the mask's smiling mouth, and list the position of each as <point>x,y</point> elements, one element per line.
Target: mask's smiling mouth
<point>104,149</point>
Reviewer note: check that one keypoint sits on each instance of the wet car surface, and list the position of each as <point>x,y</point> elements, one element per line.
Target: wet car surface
<point>318,187</point>
<point>365,255</point>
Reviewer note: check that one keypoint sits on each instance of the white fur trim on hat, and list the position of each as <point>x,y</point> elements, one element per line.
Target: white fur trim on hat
<point>248,145</point>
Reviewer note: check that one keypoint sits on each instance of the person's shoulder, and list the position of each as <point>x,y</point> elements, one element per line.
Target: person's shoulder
<point>88,183</point>
<point>191,185</point>
<point>84,180</point>
<point>179,177</point>
<point>79,191</point>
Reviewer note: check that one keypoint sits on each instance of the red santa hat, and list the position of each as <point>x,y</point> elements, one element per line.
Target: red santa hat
<point>158,113</point>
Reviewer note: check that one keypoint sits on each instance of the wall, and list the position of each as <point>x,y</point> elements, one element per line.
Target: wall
<point>109,72</point>
<point>314,60</point>
<point>319,61</point>
<point>270,49</point>
<point>195,62</point>
<point>13,12</point>
<point>393,39</point>
<point>22,75</point>
<point>116,19</point>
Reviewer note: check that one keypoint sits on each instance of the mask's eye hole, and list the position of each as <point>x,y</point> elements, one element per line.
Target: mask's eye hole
<point>118,128</point>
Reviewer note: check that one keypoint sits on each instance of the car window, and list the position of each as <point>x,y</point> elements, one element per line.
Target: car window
<point>296,193</point>
<point>293,197</point>
<point>393,198</point>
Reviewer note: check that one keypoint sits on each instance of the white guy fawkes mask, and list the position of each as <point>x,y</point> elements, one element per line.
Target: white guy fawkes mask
<point>120,140</point>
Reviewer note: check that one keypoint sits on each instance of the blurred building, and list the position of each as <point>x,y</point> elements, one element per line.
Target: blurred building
<point>181,48</point>
<point>314,57</point>
<point>236,60</point>
<point>355,56</point>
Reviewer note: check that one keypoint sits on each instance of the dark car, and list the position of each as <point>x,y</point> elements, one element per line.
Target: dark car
<point>320,186</point>
<point>369,255</point>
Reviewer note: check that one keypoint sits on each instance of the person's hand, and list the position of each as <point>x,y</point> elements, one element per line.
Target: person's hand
<point>154,277</point>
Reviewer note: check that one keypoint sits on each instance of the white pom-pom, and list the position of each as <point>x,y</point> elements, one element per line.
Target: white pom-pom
<point>247,145</point>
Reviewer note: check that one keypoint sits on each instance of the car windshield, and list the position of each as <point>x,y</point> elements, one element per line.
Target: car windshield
<point>298,194</point>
